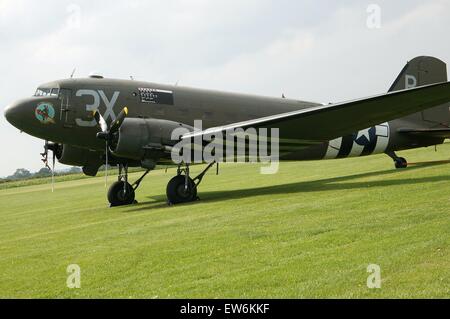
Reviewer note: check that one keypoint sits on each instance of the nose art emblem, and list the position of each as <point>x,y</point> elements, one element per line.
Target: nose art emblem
<point>45,113</point>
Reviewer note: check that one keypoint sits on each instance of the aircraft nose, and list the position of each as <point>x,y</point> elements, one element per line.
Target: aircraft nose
<point>9,112</point>
<point>12,114</point>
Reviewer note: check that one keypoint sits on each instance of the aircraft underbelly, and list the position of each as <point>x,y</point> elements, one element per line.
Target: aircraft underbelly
<point>374,140</point>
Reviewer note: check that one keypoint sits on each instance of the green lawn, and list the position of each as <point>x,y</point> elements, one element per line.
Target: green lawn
<point>309,231</point>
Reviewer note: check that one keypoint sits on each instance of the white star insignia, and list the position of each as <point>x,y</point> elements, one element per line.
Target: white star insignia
<point>364,133</point>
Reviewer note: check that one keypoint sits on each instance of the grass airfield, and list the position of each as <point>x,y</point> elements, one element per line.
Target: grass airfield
<point>308,232</point>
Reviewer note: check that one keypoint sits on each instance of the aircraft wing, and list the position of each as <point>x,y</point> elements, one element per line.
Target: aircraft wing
<point>324,123</point>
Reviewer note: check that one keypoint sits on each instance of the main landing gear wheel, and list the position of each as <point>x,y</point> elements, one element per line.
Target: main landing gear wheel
<point>179,190</point>
<point>182,188</point>
<point>120,194</point>
<point>401,163</point>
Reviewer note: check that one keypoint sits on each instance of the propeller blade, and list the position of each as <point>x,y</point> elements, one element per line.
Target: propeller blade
<point>54,147</point>
<point>53,170</point>
<point>106,164</point>
<point>107,133</point>
<point>119,120</point>
<point>100,121</point>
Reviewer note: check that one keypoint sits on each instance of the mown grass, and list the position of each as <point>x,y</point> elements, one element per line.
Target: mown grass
<point>309,231</point>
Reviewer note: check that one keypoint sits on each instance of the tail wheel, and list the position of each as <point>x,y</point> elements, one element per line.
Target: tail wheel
<point>121,194</point>
<point>401,163</point>
<point>178,193</point>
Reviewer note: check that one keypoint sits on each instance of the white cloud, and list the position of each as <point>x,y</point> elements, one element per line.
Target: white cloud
<point>335,60</point>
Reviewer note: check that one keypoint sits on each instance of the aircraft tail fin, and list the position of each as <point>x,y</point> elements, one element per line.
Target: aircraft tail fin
<point>420,71</point>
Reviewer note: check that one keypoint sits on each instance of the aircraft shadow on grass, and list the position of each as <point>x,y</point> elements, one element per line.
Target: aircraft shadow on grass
<point>328,184</point>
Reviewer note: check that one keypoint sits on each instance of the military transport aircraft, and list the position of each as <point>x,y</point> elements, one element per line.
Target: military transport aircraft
<point>77,117</point>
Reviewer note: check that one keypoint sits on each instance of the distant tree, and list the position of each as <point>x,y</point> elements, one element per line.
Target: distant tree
<point>21,173</point>
<point>75,170</point>
<point>43,172</point>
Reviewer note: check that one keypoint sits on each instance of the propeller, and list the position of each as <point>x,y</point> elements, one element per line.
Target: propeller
<point>108,133</point>
<point>54,148</point>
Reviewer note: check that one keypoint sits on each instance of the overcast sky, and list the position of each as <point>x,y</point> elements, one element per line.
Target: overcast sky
<point>325,51</point>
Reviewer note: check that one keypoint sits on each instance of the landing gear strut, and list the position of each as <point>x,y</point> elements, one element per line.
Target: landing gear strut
<point>182,188</point>
<point>122,193</point>
<point>400,162</point>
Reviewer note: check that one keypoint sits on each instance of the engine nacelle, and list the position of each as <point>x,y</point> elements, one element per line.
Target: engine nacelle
<point>74,156</point>
<point>140,139</point>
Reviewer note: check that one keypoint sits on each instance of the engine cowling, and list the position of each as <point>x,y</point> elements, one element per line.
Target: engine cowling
<point>75,156</point>
<point>141,139</point>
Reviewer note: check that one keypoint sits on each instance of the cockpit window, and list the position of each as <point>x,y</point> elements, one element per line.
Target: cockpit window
<point>46,92</point>
<point>42,92</point>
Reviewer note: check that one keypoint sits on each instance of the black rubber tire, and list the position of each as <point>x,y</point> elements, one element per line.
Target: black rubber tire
<point>401,163</point>
<point>117,196</point>
<point>176,193</point>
